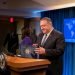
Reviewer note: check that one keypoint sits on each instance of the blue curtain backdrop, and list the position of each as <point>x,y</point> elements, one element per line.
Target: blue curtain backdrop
<point>57,17</point>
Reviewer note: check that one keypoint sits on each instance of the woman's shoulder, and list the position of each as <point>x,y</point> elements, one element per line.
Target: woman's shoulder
<point>27,37</point>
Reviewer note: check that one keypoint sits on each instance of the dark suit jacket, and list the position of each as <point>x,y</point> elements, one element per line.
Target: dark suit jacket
<point>54,47</point>
<point>12,43</point>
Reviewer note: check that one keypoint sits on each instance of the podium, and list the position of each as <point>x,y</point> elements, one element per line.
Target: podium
<point>27,66</point>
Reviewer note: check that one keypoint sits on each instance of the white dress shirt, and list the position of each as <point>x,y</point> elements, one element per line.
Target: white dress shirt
<point>45,36</point>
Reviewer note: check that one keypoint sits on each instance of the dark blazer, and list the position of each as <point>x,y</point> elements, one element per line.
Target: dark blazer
<point>54,47</point>
<point>12,42</point>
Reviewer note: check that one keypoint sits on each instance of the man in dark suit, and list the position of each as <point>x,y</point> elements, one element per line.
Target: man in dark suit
<point>51,46</point>
<point>11,41</point>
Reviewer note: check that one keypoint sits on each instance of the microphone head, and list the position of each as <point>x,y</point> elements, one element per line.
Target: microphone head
<point>2,61</point>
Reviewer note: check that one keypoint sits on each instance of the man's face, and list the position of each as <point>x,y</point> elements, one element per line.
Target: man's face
<point>45,26</point>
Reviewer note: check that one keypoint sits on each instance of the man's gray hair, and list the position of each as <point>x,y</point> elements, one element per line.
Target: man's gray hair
<point>47,19</point>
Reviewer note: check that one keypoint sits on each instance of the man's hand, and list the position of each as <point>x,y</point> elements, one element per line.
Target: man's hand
<point>40,50</point>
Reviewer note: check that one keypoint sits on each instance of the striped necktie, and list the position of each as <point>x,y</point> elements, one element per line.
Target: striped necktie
<point>44,39</point>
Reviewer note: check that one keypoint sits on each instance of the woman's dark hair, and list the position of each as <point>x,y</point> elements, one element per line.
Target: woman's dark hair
<point>25,32</point>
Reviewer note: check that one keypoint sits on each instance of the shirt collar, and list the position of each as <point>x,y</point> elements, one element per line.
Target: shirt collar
<point>50,32</point>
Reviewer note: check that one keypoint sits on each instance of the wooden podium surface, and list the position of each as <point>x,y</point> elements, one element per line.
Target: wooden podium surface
<point>28,66</point>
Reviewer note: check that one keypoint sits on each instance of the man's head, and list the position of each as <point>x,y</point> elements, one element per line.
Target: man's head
<point>46,25</point>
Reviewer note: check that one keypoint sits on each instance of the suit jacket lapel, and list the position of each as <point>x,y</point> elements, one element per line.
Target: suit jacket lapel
<point>49,38</point>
